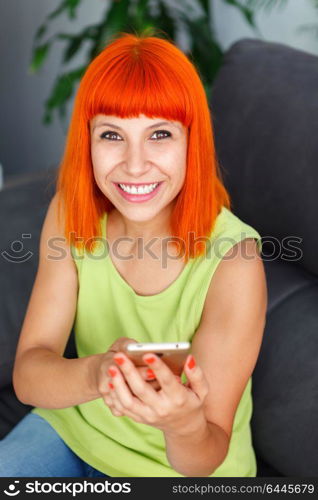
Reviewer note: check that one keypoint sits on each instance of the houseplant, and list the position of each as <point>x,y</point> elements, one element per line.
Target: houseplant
<point>168,17</point>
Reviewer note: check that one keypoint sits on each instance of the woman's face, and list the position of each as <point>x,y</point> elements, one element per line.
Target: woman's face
<point>146,153</point>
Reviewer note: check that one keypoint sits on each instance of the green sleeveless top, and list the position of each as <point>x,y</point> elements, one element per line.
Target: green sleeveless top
<point>108,308</point>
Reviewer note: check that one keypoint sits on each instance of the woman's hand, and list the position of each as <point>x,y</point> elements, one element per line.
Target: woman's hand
<point>175,408</point>
<point>102,377</point>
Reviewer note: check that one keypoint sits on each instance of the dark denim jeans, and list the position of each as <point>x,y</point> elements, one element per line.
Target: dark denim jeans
<point>34,449</point>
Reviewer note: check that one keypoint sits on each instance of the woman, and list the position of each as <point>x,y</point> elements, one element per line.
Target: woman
<point>140,169</point>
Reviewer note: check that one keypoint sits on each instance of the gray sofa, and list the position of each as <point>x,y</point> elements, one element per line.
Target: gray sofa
<point>264,108</point>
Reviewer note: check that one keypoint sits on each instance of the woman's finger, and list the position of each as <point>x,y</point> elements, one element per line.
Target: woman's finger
<point>196,378</point>
<point>150,377</point>
<point>139,387</point>
<point>107,400</point>
<point>115,402</point>
<point>164,375</point>
<point>121,392</point>
<point>116,413</point>
<point>120,344</point>
<point>146,373</point>
<point>118,409</point>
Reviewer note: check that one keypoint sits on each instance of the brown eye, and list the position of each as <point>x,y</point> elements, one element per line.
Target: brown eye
<point>109,132</point>
<point>160,132</point>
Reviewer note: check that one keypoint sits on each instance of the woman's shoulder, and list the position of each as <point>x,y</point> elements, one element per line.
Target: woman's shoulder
<point>230,227</point>
<point>226,220</point>
<point>91,254</point>
<point>54,249</point>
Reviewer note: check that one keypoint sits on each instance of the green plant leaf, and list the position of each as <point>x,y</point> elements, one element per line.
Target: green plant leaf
<point>165,21</point>
<point>247,13</point>
<point>61,92</point>
<point>140,18</point>
<point>75,41</point>
<point>206,51</point>
<point>72,6</point>
<point>205,4</point>
<point>40,32</point>
<point>115,20</point>
<point>39,55</point>
<point>58,10</point>
<point>73,46</point>
<point>68,6</point>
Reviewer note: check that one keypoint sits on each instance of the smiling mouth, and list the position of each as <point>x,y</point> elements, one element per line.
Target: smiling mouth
<point>130,184</point>
<point>138,195</point>
<point>138,189</point>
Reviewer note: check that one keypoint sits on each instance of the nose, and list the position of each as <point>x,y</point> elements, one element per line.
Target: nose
<point>136,162</point>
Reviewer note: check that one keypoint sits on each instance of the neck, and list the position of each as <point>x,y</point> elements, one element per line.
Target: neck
<point>157,227</point>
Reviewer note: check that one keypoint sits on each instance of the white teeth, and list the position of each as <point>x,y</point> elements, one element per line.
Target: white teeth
<point>140,189</point>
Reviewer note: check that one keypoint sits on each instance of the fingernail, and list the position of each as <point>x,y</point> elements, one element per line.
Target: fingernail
<point>191,362</point>
<point>150,360</point>
<point>150,374</point>
<point>119,360</point>
<point>110,385</point>
<point>112,372</point>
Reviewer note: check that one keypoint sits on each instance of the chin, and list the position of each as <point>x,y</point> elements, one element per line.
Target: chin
<point>138,214</point>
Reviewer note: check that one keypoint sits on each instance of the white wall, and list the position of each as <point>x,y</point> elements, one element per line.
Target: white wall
<point>279,24</point>
<point>25,143</point>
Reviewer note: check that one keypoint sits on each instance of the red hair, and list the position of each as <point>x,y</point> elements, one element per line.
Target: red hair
<point>133,75</point>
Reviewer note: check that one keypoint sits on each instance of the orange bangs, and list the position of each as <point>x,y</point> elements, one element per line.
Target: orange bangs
<point>133,75</point>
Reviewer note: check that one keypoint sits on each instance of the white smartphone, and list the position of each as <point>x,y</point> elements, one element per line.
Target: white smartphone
<point>172,353</point>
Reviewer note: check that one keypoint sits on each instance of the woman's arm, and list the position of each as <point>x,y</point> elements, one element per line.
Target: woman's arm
<point>226,347</point>
<point>41,376</point>
<point>197,453</point>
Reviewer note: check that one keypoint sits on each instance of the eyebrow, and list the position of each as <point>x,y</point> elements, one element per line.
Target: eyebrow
<point>147,128</point>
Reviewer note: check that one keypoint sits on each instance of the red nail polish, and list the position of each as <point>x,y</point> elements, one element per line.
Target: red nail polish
<point>191,362</point>
<point>150,360</point>
<point>119,360</point>
<point>150,374</point>
<point>110,385</point>
<point>112,372</point>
